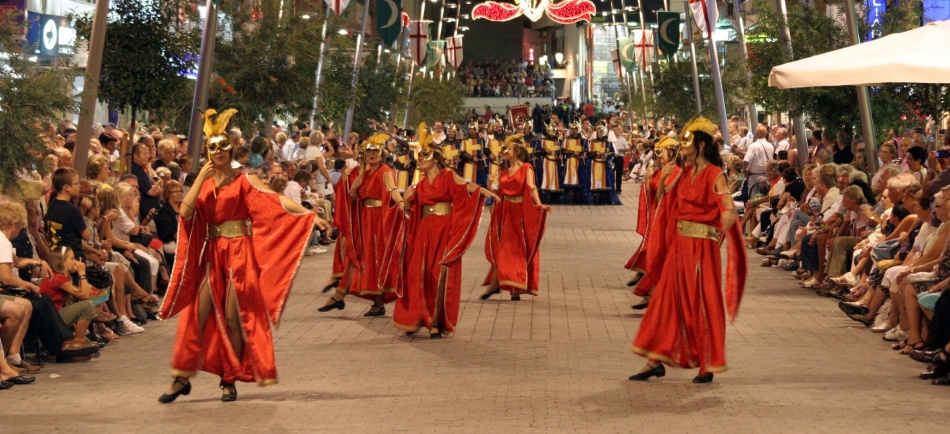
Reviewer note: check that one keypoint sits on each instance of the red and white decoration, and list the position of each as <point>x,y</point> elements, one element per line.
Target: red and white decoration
<point>419,40</point>
<point>564,12</point>
<point>453,51</point>
<point>337,6</point>
<point>618,66</point>
<point>705,14</point>
<point>644,48</point>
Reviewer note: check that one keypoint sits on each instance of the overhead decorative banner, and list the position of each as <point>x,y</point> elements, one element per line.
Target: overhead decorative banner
<point>453,51</point>
<point>628,53</point>
<point>337,6</point>
<point>705,14</point>
<point>669,33</point>
<point>406,24</point>
<point>434,54</point>
<point>618,64</point>
<point>388,22</point>
<point>418,38</point>
<point>644,48</point>
<point>564,12</point>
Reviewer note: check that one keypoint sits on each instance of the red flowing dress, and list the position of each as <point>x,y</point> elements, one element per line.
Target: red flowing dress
<point>514,235</point>
<point>259,267</point>
<point>431,282</point>
<point>646,213</point>
<point>373,230</point>
<point>344,253</point>
<point>685,324</point>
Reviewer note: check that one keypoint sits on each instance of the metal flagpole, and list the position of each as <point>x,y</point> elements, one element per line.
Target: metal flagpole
<point>716,74</point>
<point>348,124</point>
<point>626,33</point>
<point>643,29</point>
<point>438,32</point>
<point>200,102</point>
<point>87,112</point>
<point>801,145</point>
<point>740,28</point>
<point>867,123</point>
<point>412,68</point>
<point>316,88</point>
<point>692,57</point>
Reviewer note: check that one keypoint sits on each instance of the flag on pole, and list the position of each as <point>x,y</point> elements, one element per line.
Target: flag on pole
<point>644,48</point>
<point>628,53</point>
<point>434,54</point>
<point>669,33</point>
<point>705,14</point>
<point>388,22</point>
<point>418,39</point>
<point>453,51</point>
<point>618,65</point>
<point>406,25</point>
<point>337,6</point>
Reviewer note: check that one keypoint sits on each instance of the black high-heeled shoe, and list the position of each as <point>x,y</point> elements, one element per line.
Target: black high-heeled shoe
<point>337,304</point>
<point>488,294</point>
<point>376,311</point>
<point>635,280</point>
<point>435,334</point>
<point>228,397</point>
<point>515,297</point>
<point>657,371</point>
<point>332,285</point>
<point>644,302</point>
<point>703,378</point>
<point>167,398</point>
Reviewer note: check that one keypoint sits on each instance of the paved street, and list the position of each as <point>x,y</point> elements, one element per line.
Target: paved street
<point>555,363</point>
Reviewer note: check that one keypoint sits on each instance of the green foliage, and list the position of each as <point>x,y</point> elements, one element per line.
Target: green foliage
<point>385,88</point>
<point>336,90</point>
<point>435,100</point>
<point>30,95</point>
<point>144,54</point>
<point>266,68</point>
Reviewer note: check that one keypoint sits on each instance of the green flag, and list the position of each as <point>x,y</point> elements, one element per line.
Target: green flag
<point>668,36</point>
<point>388,22</point>
<point>434,54</point>
<point>628,53</point>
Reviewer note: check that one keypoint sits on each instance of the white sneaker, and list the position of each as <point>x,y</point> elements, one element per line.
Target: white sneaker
<point>320,250</point>
<point>131,327</point>
<point>810,283</point>
<point>895,334</point>
<point>120,328</point>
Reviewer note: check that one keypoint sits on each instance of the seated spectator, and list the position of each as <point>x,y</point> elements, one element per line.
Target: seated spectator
<point>80,313</point>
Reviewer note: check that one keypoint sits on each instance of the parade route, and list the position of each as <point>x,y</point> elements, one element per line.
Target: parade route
<point>554,363</point>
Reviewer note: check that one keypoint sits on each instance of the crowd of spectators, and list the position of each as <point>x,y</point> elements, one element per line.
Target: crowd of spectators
<point>511,78</point>
<point>84,260</point>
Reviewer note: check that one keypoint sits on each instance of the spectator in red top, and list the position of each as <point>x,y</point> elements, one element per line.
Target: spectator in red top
<point>589,110</point>
<point>60,285</point>
<point>488,114</point>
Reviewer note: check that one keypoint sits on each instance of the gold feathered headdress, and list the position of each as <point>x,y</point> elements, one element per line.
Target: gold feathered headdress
<point>667,142</point>
<point>376,142</point>
<point>514,140</point>
<point>215,129</point>
<point>698,124</point>
<point>427,150</point>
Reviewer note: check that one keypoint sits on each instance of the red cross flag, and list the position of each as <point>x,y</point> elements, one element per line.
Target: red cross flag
<point>644,48</point>
<point>419,41</point>
<point>705,14</point>
<point>618,67</point>
<point>337,6</point>
<point>453,50</point>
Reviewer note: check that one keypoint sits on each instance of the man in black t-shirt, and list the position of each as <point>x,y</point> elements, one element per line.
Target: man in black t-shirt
<point>64,223</point>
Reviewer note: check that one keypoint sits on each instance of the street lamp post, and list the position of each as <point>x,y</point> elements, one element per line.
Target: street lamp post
<point>316,89</point>
<point>348,124</point>
<point>87,110</point>
<point>200,102</point>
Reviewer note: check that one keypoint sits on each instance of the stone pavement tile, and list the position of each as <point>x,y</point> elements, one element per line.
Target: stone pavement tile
<point>554,363</point>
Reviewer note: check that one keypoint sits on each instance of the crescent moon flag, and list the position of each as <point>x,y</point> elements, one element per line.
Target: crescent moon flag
<point>618,65</point>
<point>644,48</point>
<point>628,55</point>
<point>705,14</point>
<point>418,39</point>
<point>453,51</point>
<point>337,6</point>
<point>669,33</point>
<point>388,22</point>
<point>434,54</point>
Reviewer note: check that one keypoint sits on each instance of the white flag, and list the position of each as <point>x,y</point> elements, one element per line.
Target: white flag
<point>453,50</point>
<point>419,41</point>
<point>644,48</point>
<point>337,6</point>
<point>705,14</point>
<point>618,67</point>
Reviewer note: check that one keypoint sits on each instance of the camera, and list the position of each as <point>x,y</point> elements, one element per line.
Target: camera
<point>943,153</point>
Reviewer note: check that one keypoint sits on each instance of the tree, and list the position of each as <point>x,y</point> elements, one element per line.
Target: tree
<point>265,61</point>
<point>434,100</point>
<point>146,53</point>
<point>29,96</point>
<point>337,91</point>
<point>385,88</point>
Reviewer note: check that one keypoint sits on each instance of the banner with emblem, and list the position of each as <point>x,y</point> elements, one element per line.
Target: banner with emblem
<point>435,54</point>
<point>337,6</point>
<point>418,39</point>
<point>388,22</point>
<point>628,53</point>
<point>453,51</point>
<point>705,14</point>
<point>618,65</point>
<point>668,34</point>
<point>644,48</point>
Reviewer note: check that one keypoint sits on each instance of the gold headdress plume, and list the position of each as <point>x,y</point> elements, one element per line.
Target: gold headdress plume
<point>423,134</point>
<point>512,141</point>
<point>376,141</point>
<point>668,142</point>
<point>215,129</point>
<point>697,124</point>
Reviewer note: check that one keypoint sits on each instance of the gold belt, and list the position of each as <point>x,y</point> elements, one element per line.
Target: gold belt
<point>229,229</point>
<point>514,199</point>
<point>690,229</point>
<point>441,208</point>
<point>372,203</point>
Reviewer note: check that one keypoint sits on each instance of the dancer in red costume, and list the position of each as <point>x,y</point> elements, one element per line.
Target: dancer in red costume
<point>685,325</point>
<point>234,235</point>
<point>517,225</point>
<point>444,212</point>
<point>373,216</point>
<point>651,195</point>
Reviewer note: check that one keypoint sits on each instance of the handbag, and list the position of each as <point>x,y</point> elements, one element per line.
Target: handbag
<point>98,276</point>
<point>885,249</point>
